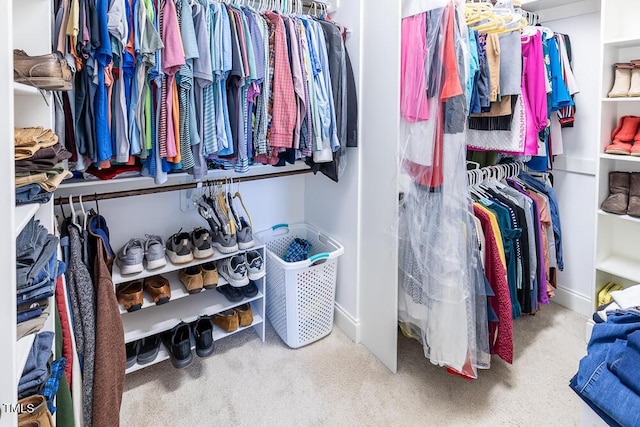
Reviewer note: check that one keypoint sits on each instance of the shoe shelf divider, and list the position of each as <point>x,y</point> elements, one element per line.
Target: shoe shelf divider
<point>619,217</point>
<point>620,157</point>
<point>620,266</point>
<point>154,319</point>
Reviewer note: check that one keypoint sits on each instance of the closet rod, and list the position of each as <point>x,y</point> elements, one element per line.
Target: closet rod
<point>177,187</point>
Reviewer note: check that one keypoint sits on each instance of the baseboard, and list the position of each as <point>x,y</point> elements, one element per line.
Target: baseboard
<point>574,301</point>
<point>347,324</point>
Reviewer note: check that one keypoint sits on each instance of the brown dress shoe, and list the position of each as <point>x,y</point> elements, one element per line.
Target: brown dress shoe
<point>191,278</point>
<point>130,295</point>
<point>245,315</point>
<point>34,412</point>
<point>47,72</point>
<point>226,320</point>
<point>158,289</point>
<point>210,275</point>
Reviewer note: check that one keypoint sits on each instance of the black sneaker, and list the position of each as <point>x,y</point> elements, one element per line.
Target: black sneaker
<point>232,294</point>
<point>148,349</point>
<point>178,344</point>
<point>203,334</point>
<point>131,351</point>
<point>249,291</point>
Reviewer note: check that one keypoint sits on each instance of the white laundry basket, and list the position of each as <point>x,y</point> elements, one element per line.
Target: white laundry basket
<point>300,295</point>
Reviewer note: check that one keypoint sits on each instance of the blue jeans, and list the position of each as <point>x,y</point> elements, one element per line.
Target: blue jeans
<point>596,383</point>
<point>32,193</point>
<point>627,367</point>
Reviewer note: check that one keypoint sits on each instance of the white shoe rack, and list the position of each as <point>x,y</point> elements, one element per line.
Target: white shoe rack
<point>154,319</point>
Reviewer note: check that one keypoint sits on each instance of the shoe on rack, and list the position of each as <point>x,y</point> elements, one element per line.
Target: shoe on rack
<point>255,265</point>
<point>622,80</point>
<point>244,234</point>
<point>203,334</point>
<point>234,270</point>
<point>634,195</point>
<point>148,349</point>
<point>249,291</point>
<point>226,320</point>
<point>209,275</point>
<point>245,315</point>
<point>604,296</point>
<point>620,147</point>
<point>626,129</point>
<point>48,72</point>
<point>158,289</point>
<point>130,257</point>
<point>618,200</point>
<point>130,295</point>
<point>33,409</point>
<point>225,243</point>
<point>634,86</point>
<point>232,294</point>
<point>191,278</point>
<point>201,240</point>
<point>179,248</point>
<point>155,252</point>
<point>131,350</point>
<point>178,344</point>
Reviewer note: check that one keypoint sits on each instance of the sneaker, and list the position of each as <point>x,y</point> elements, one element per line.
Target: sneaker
<point>225,243</point>
<point>179,248</point>
<point>249,291</point>
<point>234,270</point>
<point>148,349</point>
<point>200,238</point>
<point>232,294</point>
<point>154,252</point>
<point>203,334</point>
<point>255,265</point>
<point>130,257</point>
<point>178,344</point>
<point>244,235</point>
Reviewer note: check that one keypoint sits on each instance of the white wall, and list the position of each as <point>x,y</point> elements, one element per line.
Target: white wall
<point>575,170</point>
<point>334,207</point>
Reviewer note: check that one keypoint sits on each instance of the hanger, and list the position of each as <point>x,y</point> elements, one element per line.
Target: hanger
<point>74,218</point>
<point>84,214</point>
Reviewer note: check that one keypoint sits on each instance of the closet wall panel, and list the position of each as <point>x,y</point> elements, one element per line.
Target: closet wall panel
<point>334,207</point>
<point>574,171</point>
<point>379,101</point>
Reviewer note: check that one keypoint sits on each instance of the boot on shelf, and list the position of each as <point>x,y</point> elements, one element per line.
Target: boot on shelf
<point>635,150</point>
<point>618,200</point>
<point>634,86</point>
<point>627,129</point>
<point>622,80</point>
<point>634,195</point>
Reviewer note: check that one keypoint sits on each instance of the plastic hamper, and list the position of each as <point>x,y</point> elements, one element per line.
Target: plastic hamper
<point>300,296</point>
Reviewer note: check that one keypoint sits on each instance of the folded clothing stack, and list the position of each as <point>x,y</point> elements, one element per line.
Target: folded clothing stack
<point>37,269</point>
<point>40,164</point>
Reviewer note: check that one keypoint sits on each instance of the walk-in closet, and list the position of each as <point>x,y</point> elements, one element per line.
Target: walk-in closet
<point>329,212</point>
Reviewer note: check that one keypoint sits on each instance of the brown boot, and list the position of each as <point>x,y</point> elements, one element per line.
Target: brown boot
<point>634,195</point>
<point>618,200</point>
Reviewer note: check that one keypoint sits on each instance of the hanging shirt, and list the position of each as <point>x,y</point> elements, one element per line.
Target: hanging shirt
<point>413,54</point>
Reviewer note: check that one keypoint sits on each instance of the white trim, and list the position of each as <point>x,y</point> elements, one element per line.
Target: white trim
<point>347,324</point>
<point>575,165</point>
<point>552,10</point>
<point>574,301</point>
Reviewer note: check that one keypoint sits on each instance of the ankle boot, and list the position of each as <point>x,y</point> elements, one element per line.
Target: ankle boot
<point>627,129</point>
<point>634,195</point>
<point>618,200</point>
<point>620,147</point>
<point>634,87</point>
<point>622,80</point>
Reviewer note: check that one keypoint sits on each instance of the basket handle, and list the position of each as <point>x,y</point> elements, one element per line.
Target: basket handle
<point>277,226</point>
<point>318,257</point>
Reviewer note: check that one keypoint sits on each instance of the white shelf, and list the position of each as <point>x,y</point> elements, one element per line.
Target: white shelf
<point>627,99</point>
<point>77,186</point>
<point>23,348</point>
<point>23,214</point>
<point>622,42</point>
<point>218,334</point>
<point>157,319</point>
<point>620,157</point>
<point>619,266</point>
<point>117,277</point>
<point>20,89</point>
<point>620,217</point>
<point>177,291</point>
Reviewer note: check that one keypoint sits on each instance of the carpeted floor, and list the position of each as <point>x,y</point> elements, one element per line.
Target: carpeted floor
<point>334,382</point>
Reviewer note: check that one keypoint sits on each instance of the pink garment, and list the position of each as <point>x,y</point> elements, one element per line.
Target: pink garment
<point>172,60</point>
<point>414,106</point>
<point>298,82</point>
<point>534,90</point>
<point>284,112</point>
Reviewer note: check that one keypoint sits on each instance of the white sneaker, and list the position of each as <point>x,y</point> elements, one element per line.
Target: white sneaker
<point>255,265</point>
<point>234,271</point>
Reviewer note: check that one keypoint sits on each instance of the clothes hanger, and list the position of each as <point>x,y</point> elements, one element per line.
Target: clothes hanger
<point>74,217</point>
<point>84,214</point>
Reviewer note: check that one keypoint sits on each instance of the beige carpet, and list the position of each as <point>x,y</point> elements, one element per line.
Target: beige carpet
<point>334,382</point>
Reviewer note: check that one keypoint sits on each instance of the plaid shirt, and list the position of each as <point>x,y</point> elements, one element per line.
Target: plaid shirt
<point>283,110</point>
<point>51,386</point>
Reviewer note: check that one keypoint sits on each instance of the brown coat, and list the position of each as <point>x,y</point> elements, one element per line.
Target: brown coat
<point>110,359</point>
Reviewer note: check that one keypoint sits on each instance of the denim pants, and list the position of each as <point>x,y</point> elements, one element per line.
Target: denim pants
<point>627,367</point>
<point>36,369</point>
<point>596,383</point>
<point>32,193</point>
